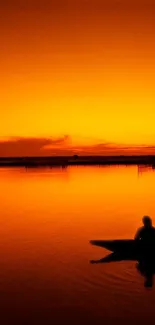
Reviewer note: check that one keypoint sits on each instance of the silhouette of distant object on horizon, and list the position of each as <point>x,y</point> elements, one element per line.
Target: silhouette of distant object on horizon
<point>146,257</point>
<point>75,157</point>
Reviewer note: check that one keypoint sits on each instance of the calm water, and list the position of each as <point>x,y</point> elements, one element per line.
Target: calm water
<point>48,217</point>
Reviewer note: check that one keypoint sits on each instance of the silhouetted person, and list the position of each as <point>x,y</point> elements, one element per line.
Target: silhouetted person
<point>146,265</point>
<point>147,232</point>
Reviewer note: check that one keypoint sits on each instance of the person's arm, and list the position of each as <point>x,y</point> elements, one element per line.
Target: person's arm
<point>138,234</point>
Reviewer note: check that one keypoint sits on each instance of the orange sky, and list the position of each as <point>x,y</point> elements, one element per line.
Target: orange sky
<point>82,68</point>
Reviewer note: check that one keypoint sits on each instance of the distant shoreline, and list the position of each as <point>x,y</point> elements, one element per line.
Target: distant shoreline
<point>65,161</point>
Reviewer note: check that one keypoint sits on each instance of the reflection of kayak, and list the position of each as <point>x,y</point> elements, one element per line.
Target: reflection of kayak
<point>130,250</point>
<point>124,246</point>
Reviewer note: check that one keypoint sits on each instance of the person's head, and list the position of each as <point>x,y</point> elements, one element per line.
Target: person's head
<point>147,221</point>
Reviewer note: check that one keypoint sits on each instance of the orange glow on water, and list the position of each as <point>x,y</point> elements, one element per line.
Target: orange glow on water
<point>47,219</point>
<point>106,196</point>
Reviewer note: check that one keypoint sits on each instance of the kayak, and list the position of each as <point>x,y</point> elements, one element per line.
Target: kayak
<point>124,246</point>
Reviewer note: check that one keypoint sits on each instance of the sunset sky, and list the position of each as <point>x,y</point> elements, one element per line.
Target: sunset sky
<point>77,76</point>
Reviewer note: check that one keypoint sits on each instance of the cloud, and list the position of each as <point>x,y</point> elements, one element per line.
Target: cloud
<point>102,149</point>
<point>18,146</point>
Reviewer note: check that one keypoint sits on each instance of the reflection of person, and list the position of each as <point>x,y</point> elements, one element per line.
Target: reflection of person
<point>147,269</point>
<point>147,232</point>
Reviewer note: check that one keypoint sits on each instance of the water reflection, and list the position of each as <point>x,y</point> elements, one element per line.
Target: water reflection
<point>145,264</point>
<point>47,219</point>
